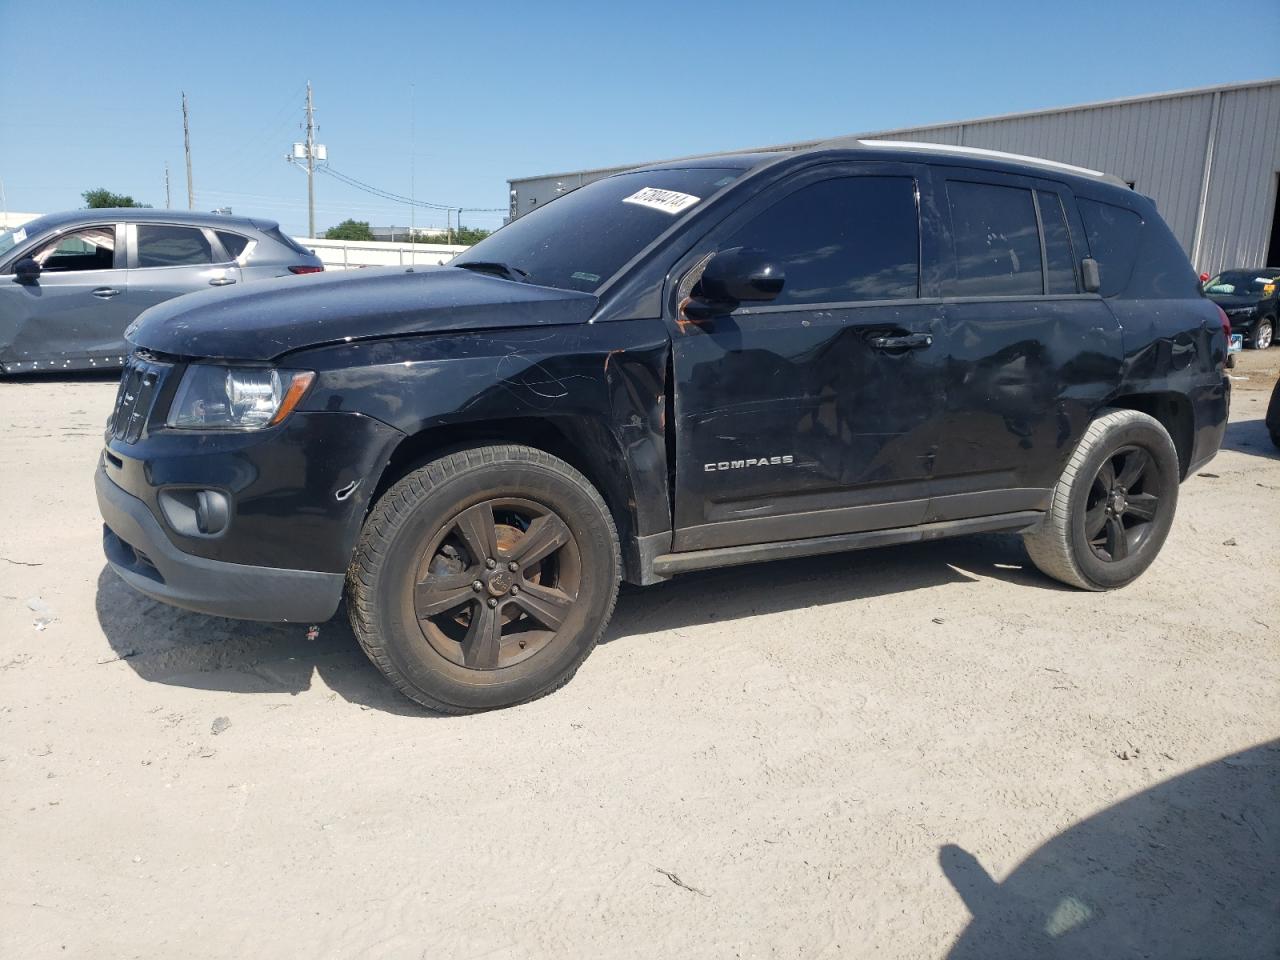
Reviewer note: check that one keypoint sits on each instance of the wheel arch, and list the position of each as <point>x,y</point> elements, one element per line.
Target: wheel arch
<point>586,445</point>
<point>1174,412</point>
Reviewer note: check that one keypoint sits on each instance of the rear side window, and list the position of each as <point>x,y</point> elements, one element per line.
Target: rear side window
<point>997,244</point>
<point>1059,259</point>
<point>1113,242</point>
<point>851,239</point>
<point>275,234</point>
<point>161,245</point>
<point>233,243</point>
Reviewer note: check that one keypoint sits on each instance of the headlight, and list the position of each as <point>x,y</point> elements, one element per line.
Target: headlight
<point>1239,311</point>
<point>236,398</point>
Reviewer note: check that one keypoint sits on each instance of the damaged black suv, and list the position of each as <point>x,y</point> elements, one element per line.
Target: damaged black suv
<point>696,364</point>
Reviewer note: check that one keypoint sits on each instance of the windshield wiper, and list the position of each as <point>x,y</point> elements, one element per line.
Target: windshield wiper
<point>496,267</point>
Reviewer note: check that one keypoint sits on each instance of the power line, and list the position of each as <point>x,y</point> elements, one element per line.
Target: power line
<point>400,198</point>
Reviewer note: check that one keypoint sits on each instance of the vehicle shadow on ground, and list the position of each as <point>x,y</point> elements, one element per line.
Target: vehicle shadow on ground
<point>1249,436</point>
<point>1185,869</point>
<point>166,645</point>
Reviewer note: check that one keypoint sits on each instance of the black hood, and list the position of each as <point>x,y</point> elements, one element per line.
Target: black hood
<point>265,320</point>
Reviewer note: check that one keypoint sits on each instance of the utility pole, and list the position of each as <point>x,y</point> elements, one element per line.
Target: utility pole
<point>168,201</point>
<point>311,167</point>
<point>186,146</point>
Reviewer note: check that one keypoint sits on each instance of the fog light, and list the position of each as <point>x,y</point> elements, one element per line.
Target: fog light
<point>195,513</point>
<point>211,512</point>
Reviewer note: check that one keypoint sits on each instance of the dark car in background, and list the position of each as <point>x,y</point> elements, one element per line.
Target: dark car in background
<point>697,364</point>
<point>70,283</point>
<point>1251,300</point>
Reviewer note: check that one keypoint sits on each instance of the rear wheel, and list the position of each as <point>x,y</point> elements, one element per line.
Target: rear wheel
<point>1112,509</point>
<point>484,578</point>
<point>1264,334</point>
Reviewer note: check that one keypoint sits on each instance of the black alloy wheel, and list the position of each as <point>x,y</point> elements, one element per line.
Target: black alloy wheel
<point>1124,503</point>
<point>497,583</point>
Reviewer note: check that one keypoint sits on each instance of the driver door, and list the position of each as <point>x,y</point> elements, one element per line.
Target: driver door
<point>73,316</point>
<point>813,414</point>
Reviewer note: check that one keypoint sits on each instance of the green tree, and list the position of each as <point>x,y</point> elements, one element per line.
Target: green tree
<point>102,197</point>
<point>350,230</point>
<point>466,236</point>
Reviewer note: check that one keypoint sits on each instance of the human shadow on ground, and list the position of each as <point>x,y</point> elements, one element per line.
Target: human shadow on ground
<point>1187,869</point>
<point>166,645</point>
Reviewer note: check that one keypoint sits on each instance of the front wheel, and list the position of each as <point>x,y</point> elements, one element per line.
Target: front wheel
<point>1263,334</point>
<point>484,578</point>
<point>1112,509</point>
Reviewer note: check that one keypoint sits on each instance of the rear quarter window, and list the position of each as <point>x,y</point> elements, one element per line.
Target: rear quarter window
<point>1114,234</point>
<point>1138,256</point>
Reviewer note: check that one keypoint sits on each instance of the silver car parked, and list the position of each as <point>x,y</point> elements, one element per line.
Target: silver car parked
<point>70,283</point>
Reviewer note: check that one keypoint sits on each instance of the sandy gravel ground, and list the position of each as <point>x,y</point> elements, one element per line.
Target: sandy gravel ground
<point>909,753</point>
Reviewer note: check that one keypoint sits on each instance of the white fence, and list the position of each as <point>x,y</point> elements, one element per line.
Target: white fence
<point>353,254</point>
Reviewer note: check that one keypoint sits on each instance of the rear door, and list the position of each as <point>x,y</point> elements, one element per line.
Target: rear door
<point>167,260</point>
<point>808,416</point>
<point>75,314</point>
<point>1030,354</point>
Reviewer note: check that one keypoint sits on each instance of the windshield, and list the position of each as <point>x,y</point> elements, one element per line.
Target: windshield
<point>1243,283</point>
<point>15,235</point>
<point>583,238</point>
<point>11,238</point>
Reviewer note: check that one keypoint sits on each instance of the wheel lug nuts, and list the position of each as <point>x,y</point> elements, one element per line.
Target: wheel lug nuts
<point>513,566</point>
<point>491,563</point>
<point>493,602</point>
<point>477,586</point>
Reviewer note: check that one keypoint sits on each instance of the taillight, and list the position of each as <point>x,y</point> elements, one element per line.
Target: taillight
<point>1226,324</point>
<point>306,268</point>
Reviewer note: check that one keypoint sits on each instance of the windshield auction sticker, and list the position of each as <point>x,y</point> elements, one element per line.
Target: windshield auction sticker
<point>668,201</point>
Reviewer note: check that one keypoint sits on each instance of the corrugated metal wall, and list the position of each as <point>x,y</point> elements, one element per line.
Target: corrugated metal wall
<point>1242,185</point>
<point>1157,143</point>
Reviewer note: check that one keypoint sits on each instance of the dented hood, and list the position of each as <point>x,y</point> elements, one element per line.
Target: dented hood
<point>265,320</point>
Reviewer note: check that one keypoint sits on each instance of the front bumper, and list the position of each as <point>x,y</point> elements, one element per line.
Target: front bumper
<point>145,558</point>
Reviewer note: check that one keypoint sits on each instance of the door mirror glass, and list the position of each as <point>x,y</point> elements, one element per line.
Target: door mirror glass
<point>26,271</point>
<point>1089,275</point>
<point>740,275</point>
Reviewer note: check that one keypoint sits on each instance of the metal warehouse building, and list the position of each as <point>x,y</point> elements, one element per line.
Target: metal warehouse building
<point>1209,157</point>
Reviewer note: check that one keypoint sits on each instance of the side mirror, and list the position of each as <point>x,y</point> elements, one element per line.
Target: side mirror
<point>1090,275</point>
<point>735,276</point>
<point>26,271</point>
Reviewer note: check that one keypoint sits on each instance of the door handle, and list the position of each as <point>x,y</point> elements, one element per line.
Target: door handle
<point>912,341</point>
<point>106,293</point>
<point>221,281</point>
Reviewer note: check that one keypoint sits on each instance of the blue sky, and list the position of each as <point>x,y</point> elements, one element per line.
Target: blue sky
<point>464,95</point>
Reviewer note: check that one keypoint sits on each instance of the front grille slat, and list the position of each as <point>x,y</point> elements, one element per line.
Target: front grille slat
<point>139,387</point>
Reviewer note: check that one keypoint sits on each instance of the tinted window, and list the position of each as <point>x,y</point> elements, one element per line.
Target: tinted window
<point>1113,242</point>
<point>856,238</point>
<point>275,234</point>
<point>997,244</point>
<point>1057,244</point>
<point>233,243</point>
<point>160,245</point>
<point>93,248</point>
<point>582,238</point>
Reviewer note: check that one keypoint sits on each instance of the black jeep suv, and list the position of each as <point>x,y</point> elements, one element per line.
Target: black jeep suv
<point>696,364</point>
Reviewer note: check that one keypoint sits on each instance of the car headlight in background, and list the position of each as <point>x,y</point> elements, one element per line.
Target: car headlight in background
<point>236,398</point>
<point>1239,311</point>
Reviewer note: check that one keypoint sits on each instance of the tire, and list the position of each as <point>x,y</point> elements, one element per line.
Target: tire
<point>521,624</point>
<point>1264,334</point>
<point>1273,415</point>
<point>1061,545</point>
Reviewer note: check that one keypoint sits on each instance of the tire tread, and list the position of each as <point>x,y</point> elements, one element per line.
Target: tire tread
<point>395,506</point>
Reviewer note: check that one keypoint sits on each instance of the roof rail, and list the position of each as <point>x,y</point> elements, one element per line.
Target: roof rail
<point>995,155</point>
